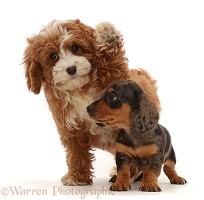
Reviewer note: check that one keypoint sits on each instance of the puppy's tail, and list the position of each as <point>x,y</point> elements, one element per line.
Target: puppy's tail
<point>147,83</point>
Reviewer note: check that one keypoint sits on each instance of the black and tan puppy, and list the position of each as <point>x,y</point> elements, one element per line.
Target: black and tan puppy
<point>141,140</point>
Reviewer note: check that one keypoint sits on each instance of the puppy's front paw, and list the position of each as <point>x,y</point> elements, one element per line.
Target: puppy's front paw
<point>150,187</point>
<point>120,186</point>
<point>107,36</point>
<point>68,179</point>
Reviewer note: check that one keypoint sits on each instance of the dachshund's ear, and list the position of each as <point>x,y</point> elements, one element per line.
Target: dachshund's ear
<point>148,115</point>
<point>33,70</point>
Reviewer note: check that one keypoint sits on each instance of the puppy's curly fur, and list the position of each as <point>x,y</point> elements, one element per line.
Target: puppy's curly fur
<point>73,63</point>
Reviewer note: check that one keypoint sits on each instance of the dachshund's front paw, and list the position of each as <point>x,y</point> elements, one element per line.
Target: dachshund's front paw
<point>68,179</point>
<point>119,186</point>
<point>107,36</point>
<point>178,180</point>
<point>150,187</point>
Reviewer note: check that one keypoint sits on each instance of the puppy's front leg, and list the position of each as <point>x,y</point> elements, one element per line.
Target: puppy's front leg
<point>123,173</point>
<point>79,161</point>
<point>150,176</point>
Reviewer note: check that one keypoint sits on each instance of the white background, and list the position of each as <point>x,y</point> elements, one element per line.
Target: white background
<point>164,37</point>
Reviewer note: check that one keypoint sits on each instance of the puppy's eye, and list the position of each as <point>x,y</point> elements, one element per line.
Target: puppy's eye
<point>112,97</point>
<point>54,56</point>
<point>75,48</point>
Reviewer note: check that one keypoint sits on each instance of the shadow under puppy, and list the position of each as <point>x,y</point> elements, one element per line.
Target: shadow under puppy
<point>141,140</point>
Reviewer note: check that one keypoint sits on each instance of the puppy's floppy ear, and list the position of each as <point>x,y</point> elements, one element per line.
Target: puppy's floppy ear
<point>33,70</point>
<point>148,115</point>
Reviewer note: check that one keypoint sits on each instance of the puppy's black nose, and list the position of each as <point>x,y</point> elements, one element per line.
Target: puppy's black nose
<point>71,70</point>
<point>90,108</point>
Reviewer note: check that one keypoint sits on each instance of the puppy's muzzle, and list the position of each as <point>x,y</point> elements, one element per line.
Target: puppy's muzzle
<point>71,70</point>
<point>90,110</point>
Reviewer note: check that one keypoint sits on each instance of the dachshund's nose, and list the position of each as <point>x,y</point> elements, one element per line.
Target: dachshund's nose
<point>71,70</point>
<point>90,108</point>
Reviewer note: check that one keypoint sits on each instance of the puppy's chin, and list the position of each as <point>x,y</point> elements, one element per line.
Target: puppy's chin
<point>73,83</point>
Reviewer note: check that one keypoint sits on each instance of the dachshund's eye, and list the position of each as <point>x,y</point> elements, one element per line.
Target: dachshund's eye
<point>112,100</point>
<point>54,56</point>
<point>112,97</point>
<point>75,48</point>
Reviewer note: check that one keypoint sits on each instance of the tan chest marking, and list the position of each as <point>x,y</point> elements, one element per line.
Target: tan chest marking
<point>142,152</point>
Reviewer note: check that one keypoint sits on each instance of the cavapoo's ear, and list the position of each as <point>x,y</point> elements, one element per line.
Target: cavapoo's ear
<point>148,116</point>
<point>33,70</point>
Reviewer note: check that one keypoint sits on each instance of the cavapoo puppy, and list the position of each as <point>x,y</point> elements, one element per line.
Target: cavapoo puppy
<point>73,63</point>
<point>141,141</point>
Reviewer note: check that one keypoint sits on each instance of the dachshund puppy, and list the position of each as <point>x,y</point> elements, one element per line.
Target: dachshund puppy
<point>141,141</point>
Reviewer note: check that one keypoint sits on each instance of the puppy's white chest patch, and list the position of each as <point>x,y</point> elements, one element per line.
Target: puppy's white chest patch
<point>77,114</point>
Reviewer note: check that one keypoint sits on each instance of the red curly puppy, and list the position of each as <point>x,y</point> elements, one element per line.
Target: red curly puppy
<point>73,63</point>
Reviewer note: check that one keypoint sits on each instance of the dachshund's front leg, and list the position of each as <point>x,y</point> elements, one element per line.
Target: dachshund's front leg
<point>122,182</point>
<point>150,179</point>
<point>169,170</point>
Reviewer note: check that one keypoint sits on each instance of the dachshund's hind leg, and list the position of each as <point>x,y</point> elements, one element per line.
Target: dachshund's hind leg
<point>169,170</point>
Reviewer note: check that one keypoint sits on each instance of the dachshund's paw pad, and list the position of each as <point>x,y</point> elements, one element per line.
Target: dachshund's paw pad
<point>120,187</point>
<point>178,180</point>
<point>68,180</point>
<point>150,187</point>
